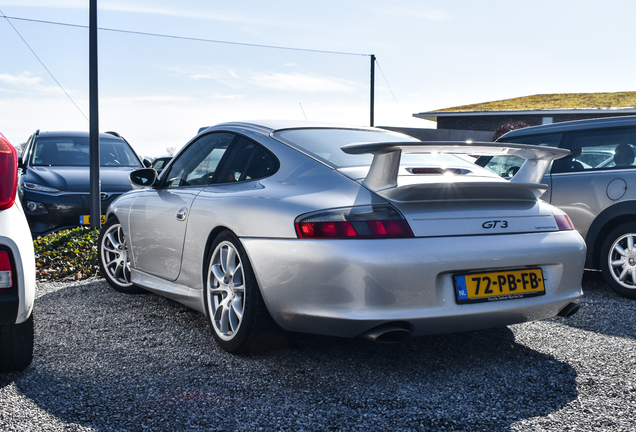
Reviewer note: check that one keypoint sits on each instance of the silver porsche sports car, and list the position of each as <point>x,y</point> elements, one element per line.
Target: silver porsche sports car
<point>343,231</point>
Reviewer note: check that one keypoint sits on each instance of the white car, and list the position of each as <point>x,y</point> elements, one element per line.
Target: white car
<point>17,269</point>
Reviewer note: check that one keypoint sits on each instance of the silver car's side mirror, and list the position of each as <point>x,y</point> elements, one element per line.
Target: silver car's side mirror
<point>144,177</point>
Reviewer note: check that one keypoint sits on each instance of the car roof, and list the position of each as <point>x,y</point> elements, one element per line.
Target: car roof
<point>576,125</point>
<point>74,134</point>
<point>273,125</point>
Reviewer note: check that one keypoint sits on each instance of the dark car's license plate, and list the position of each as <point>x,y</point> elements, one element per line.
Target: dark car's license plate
<point>502,285</point>
<point>86,219</point>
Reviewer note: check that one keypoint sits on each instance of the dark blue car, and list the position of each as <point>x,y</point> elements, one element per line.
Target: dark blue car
<point>54,180</point>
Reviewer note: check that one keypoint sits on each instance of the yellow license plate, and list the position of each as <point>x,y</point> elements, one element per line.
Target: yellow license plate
<point>502,285</point>
<point>86,219</point>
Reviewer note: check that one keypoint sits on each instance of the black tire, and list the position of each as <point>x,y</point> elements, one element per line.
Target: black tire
<point>618,260</point>
<point>234,306</point>
<point>16,346</point>
<point>113,258</point>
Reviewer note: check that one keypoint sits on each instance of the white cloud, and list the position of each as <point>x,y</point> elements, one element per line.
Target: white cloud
<point>300,82</point>
<point>27,83</point>
<point>23,80</point>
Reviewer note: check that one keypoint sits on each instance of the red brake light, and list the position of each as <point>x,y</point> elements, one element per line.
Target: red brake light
<point>355,222</point>
<point>8,173</point>
<point>563,222</point>
<point>6,278</point>
<point>437,171</point>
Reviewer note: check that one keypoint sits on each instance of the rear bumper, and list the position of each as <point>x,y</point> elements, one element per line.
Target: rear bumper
<point>16,303</point>
<point>346,287</point>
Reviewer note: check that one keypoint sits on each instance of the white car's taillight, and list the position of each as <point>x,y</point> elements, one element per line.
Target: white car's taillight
<point>8,173</point>
<point>562,220</point>
<point>6,277</point>
<point>373,221</point>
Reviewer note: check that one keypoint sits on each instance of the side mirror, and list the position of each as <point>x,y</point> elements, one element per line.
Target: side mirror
<point>144,177</point>
<point>147,163</point>
<point>21,163</point>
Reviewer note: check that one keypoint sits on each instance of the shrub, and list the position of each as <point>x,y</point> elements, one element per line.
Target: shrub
<point>67,255</point>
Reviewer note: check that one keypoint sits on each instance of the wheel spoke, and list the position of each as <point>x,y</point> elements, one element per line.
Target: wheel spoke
<point>237,307</point>
<point>620,250</point>
<point>623,275</point>
<point>617,263</point>
<point>218,274</point>
<point>230,263</point>
<point>630,242</point>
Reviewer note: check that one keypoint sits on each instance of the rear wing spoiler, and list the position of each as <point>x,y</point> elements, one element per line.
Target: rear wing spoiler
<point>386,158</point>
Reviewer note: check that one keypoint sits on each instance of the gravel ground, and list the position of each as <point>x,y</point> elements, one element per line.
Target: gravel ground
<point>110,362</point>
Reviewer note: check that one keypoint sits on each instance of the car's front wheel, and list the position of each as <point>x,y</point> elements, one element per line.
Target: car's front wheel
<point>618,260</point>
<point>233,303</point>
<point>113,258</point>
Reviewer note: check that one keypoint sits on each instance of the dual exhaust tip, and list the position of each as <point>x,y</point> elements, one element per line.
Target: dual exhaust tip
<point>399,332</point>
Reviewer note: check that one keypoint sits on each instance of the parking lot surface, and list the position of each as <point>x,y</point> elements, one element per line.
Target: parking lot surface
<point>106,361</point>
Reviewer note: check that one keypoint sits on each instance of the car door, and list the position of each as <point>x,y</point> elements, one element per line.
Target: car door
<point>159,217</point>
<point>600,172</point>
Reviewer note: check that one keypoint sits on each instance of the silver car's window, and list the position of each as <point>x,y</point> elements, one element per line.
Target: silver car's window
<point>74,151</point>
<point>598,150</point>
<point>198,163</point>
<point>508,166</point>
<point>247,161</point>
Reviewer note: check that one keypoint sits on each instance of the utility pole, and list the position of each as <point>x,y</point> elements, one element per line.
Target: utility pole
<point>372,87</point>
<point>95,189</point>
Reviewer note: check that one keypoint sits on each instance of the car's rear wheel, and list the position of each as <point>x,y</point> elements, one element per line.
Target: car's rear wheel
<point>618,260</point>
<point>113,258</point>
<point>16,346</point>
<point>234,306</point>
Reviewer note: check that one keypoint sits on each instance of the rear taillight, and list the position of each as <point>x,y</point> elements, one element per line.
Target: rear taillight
<point>8,173</point>
<point>563,221</point>
<point>381,221</point>
<point>6,277</point>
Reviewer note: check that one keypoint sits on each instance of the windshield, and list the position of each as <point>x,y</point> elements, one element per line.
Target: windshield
<point>324,145</point>
<point>74,151</point>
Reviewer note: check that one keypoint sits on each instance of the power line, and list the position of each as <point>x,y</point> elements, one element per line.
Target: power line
<point>188,38</point>
<point>387,84</point>
<point>43,65</point>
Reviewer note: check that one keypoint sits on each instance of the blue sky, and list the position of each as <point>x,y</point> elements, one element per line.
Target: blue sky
<point>157,92</point>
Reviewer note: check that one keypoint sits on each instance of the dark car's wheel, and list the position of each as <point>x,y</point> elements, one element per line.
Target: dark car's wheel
<point>16,346</point>
<point>618,260</point>
<point>233,303</point>
<point>113,258</point>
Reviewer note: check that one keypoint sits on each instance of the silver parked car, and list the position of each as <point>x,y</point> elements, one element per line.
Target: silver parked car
<point>595,186</point>
<point>343,231</point>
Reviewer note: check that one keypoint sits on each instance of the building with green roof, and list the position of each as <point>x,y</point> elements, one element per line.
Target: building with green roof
<point>533,110</point>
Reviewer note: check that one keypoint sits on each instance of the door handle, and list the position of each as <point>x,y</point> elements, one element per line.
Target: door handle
<point>182,214</point>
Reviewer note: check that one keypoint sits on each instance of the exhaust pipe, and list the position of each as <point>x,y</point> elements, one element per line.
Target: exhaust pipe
<point>388,333</point>
<point>569,310</point>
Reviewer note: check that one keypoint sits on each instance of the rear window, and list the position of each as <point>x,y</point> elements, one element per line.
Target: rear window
<point>325,145</point>
<point>74,151</point>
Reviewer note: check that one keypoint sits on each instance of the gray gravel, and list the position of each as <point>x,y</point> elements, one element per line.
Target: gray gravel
<point>110,362</point>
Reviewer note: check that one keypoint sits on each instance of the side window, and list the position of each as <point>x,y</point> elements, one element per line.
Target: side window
<point>508,166</point>
<point>248,161</point>
<point>598,150</point>
<point>197,164</point>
